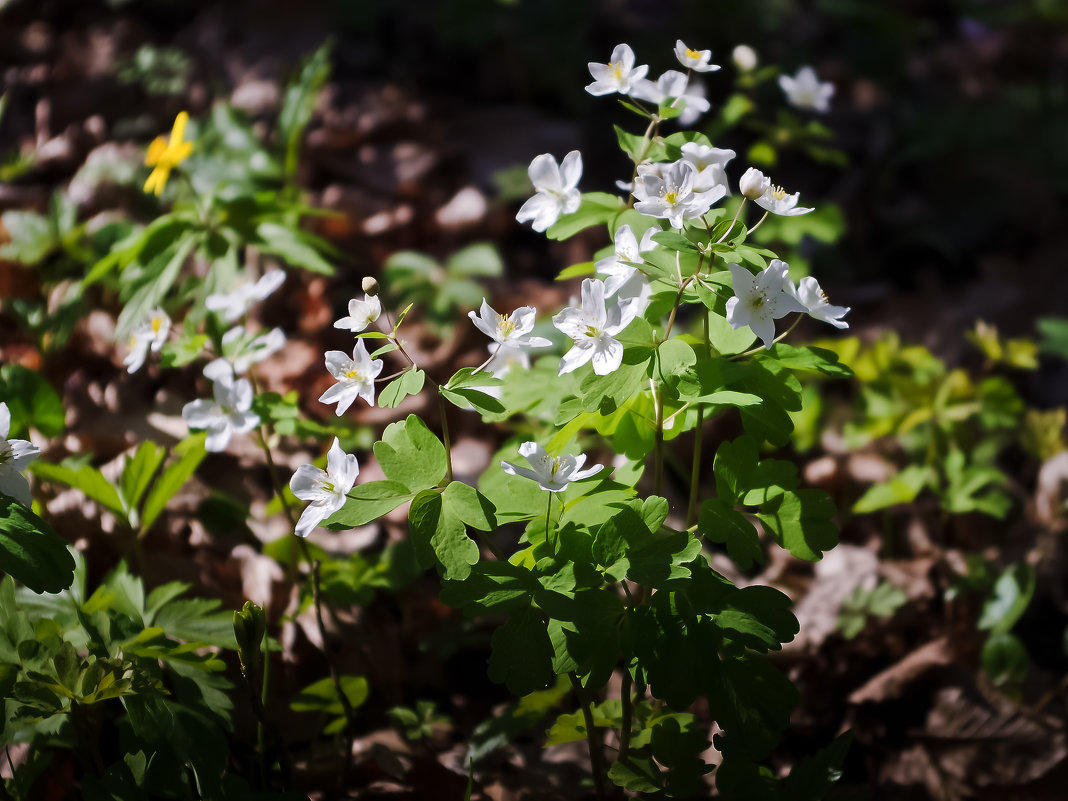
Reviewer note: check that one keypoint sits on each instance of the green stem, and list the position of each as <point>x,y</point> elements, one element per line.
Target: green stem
<point>730,228</point>
<point>335,678</point>
<point>445,436</point>
<point>658,447</point>
<point>781,336</point>
<point>628,715</point>
<point>759,222</point>
<point>596,758</point>
<point>698,442</point>
<point>548,522</point>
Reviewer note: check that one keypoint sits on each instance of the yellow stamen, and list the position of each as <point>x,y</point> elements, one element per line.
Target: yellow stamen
<point>353,375</point>
<point>692,53</point>
<point>671,197</point>
<point>777,192</point>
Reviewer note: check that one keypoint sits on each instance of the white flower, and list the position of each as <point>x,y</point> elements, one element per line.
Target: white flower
<point>674,84</point>
<point>15,455</point>
<point>696,60</point>
<point>149,335</point>
<point>326,489</point>
<point>744,57</point>
<point>709,163</point>
<point>628,251</point>
<point>355,377</point>
<point>592,327</point>
<point>230,413</point>
<point>511,330</point>
<point>758,187</point>
<point>618,75</point>
<point>814,299</point>
<point>556,187</point>
<point>753,183</point>
<point>361,313</point>
<point>666,190</point>
<point>805,91</point>
<point>553,473</point>
<point>503,357</point>
<point>241,351</point>
<point>239,300</point>
<point>761,299</point>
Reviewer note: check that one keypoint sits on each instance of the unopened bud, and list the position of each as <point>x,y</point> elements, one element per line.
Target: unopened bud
<point>745,58</point>
<point>370,286</point>
<point>250,625</point>
<point>753,184</point>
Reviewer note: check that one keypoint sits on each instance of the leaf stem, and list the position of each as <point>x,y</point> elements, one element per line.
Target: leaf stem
<point>445,434</point>
<point>335,678</point>
<point>628,715</point>
<point>596,757</point>
<point>759,348</point>
<point>698,441</point>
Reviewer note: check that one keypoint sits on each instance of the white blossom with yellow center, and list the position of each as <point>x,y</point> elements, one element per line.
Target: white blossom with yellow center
<point>696,60</point>
<point>593,327</point>
<point>149,335</point>
<point>361,313</point>
<point>553,473</point>
<point>556,190</point>
<point>761,299</point>
<point>355,377</point>
<point>512,330</point>
<point>667,190</point>
<point>326,489</point>
<point>618,75</point>
<point>758,187</point>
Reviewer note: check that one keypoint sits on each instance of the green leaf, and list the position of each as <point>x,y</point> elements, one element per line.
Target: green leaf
<point>1012,593</point>
<point>31,551</point>
<point>87,479</point>
<point>191,453</point>
<point>576,270</point>
<point>31,401</point>
<point>298,103</point>
<point>807,359</point>
<point>470,398</point>
<point>720,522</point>
<point>470,506</point>
<point>322,696</point>
<point>478,259</point>
<point>146,288</point>
<point>812,777</point>
<point>297,247</point>
<point>367,502</point>
<point>438,533</point>
<point>596,208</point>
<point>1005,659</point>
<point>137,474</point>
<point>726,340</point>
<point>802,522</point>
<point>522,653</point>
<point>902,488</point>
<point>411,455</point>
<point>407,383</point>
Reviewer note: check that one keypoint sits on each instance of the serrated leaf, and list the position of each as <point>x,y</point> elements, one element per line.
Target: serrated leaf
<point>522,653</point>
<point>720,522</point>
<point>411,455</point>
<point>802,522</point>
<point>438,534</point>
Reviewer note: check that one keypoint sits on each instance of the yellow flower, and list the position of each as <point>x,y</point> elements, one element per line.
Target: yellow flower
<point>165,156</point>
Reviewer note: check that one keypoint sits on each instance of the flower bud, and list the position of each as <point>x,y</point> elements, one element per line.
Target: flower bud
<point>370,286</point>
<point>753,183</point>
<point>745,58</point>
<point>250,625</point>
